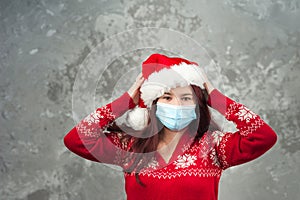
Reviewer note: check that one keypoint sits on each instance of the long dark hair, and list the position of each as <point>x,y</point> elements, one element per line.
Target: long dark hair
<point>143,145</point>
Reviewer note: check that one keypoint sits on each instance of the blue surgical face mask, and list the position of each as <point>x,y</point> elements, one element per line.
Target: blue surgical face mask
<point>175,117</point>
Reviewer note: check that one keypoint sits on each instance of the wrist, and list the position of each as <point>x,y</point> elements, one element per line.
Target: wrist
<point>209,87</point>
<point>130,93</point>
<point>122,104</point>
<point>218,101</point>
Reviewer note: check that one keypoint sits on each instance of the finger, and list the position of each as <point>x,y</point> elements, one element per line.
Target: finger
<point>141,81</point>
<point>139,76</point>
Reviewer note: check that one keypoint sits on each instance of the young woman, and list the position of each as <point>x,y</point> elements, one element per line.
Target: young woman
<point>161,133</point>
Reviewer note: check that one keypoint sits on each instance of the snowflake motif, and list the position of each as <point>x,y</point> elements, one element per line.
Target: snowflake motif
<point>218,135</point>
<point>204,156</point>
<point>94,117</point>
<point>245,114</point>
<point>185,160</point>
<point>203,153</point>
<point>153,164</point>
<point>185,147</point>
<point>214,158</point>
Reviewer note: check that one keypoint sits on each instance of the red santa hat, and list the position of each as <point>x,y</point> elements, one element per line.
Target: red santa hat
<point>161,74</point>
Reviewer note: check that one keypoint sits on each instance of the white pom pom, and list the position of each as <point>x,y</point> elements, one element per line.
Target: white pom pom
<point>136,118</point>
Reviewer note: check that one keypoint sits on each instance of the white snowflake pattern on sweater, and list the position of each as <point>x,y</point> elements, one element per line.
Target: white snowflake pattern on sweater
<point>244,114</point>
<point>217,135</point>
<point>185,160</point>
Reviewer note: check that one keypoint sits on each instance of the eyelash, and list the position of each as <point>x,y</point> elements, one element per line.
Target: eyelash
<point>183,98</point>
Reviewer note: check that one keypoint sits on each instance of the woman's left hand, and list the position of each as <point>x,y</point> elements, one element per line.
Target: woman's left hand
<point>207,84</point>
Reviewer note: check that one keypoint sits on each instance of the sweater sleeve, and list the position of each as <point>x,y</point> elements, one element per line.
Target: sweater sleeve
<point>253,136</point>
<point>91,139</point>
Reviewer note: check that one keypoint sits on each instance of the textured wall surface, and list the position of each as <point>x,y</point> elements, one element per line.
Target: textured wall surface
<point>256,44</point>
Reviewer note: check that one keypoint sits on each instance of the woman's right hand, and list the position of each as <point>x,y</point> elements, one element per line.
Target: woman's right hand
<point>134,91</point>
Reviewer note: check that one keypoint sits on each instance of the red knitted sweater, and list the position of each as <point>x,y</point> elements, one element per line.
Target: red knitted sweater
<point>193,171</point>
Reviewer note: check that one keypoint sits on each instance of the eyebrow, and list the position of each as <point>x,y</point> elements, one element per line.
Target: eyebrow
<point>185,94</point>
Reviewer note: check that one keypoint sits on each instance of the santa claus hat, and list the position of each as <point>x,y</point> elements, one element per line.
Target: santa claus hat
<point>161,74</point>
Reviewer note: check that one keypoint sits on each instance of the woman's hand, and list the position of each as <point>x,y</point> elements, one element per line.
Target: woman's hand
<point>207,84</point>
<point>134,91</point>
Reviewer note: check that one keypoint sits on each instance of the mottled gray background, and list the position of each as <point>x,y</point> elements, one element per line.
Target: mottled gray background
<point>256,43</point>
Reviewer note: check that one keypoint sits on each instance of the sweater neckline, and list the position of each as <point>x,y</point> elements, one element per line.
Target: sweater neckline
<point>183,144</point>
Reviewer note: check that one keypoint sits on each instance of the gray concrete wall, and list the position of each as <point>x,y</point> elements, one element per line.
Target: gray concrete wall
<point>43,44</point>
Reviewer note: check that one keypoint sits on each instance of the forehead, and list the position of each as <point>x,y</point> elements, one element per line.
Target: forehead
<point>182,90</point>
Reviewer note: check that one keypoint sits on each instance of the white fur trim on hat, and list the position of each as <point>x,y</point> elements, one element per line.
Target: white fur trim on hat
<point>180,75</point>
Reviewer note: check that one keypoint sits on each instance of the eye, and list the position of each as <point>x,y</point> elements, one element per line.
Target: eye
<point>168,98</point>
<point>186,98</point>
